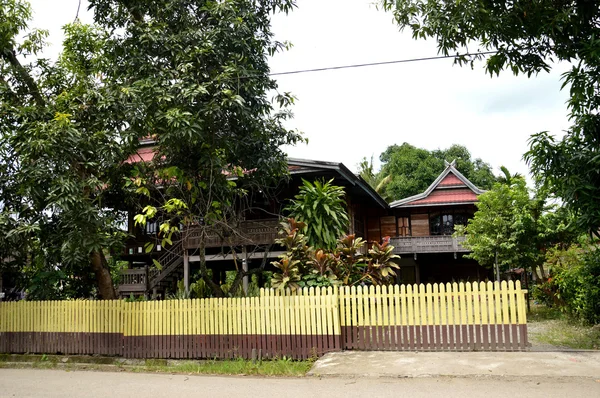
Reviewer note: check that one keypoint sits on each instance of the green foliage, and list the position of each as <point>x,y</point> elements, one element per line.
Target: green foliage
<point>193,75</point>
<point>411,170</point>
<point>288,275</point>
<point>302,266</point>
<point>514,226</point>
<point>321,207</point>
<point>62,146</point>
<point>196,78</point>
<point>551,326</point>
<point>350,262</point>
<point>377,181</point>
<point>529,37</point>
<point>574,283</point>
<point>381,267</point>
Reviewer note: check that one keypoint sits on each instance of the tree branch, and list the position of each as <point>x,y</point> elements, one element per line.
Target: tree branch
<point>11,57</point>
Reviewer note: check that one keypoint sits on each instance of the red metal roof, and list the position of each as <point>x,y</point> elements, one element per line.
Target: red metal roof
<point>142,155</point>
<point>447,196</point>
<point>451,180</point>
<point>146,154</point>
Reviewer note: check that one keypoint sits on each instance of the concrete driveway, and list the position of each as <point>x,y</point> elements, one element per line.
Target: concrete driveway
<point>377,364</point>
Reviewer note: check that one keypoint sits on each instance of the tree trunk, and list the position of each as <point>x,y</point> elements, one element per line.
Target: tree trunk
<point>103,278</point>
<point>216,289</point>
<point>543,272</point>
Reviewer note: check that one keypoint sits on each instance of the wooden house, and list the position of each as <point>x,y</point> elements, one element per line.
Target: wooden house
<point>420,228</point>
<point>253,241</point>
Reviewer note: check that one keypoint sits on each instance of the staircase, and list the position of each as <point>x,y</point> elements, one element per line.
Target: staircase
<point>145,280</point>
<point>171,262</point>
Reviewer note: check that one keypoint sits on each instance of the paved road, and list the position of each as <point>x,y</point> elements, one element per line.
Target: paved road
<point>58,383</point>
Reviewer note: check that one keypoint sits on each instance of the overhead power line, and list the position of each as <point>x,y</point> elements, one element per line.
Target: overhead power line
<point>400,61</point>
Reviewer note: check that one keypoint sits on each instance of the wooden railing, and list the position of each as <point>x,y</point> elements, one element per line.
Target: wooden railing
<point>253,232</point>
<point>169,261</point>
<point>134,280</point>
<point>428,244</point>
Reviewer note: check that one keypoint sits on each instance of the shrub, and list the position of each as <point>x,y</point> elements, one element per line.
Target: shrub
<point>302,266</point>
<point>574,283</point>
<point>322,208</point>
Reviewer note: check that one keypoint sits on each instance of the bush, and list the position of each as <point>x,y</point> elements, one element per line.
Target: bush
<point>574,283</point>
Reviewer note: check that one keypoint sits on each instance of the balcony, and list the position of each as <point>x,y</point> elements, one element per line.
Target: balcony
<point>134,281</point>
<point>428,244</point>
<point>254,232</point>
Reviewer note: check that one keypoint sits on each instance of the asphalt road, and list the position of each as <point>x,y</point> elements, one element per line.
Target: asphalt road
<point>59,383</point>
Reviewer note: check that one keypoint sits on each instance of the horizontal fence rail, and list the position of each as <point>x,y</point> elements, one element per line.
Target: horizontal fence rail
<point>301,324</point>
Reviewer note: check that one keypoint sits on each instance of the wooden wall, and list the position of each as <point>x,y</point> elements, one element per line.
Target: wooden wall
<point>420,224</point>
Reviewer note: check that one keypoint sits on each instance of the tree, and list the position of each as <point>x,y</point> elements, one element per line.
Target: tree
<point>512,228</point>
<point>192,74</point>
<point>413,169</point>
<point>527,37</point>
<point>196,73</point>
<point>61,148</point>
<point>378,181</point>
<point>321,206</point>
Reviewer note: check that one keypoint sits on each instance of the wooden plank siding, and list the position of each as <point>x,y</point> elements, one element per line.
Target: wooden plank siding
<point>419,224</point>
<point>302,324</point>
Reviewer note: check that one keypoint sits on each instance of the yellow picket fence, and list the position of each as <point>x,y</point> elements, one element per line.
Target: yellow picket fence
<point>457,316</point>
<point>297,324</point>
<point>70,327</point>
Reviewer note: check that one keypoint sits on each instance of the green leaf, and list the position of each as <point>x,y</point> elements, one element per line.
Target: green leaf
<point>148,247</point>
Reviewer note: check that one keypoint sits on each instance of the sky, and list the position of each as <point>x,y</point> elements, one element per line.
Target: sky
<point>349,114</point>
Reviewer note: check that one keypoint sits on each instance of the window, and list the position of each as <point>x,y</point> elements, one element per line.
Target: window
<point>448,224</point>
<point>460,219</point>
<point>151,227</point>
<point>435,224</point>
<point>443,223</point>
<point>403,226</point>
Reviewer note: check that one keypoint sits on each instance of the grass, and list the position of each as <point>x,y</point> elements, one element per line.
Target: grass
<point>550,326</point>
<point>275,367</point>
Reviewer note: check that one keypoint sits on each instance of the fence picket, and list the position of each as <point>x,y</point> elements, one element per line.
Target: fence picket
<point>297,324</point>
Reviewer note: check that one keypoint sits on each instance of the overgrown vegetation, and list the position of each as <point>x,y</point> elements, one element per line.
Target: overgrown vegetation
<point>514,226</point>
<point>548,325</point>
<point>573,285</point>
<point>274,367</point>
<point>169,70</point>
<point>270,367</point>
<point>528,37</point>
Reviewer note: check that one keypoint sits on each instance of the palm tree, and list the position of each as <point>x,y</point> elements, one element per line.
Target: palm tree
<point>378,181</point>
<point>507,178</point>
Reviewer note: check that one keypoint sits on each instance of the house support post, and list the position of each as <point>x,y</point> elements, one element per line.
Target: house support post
<point>186,271</point>
<point>246,278</point>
